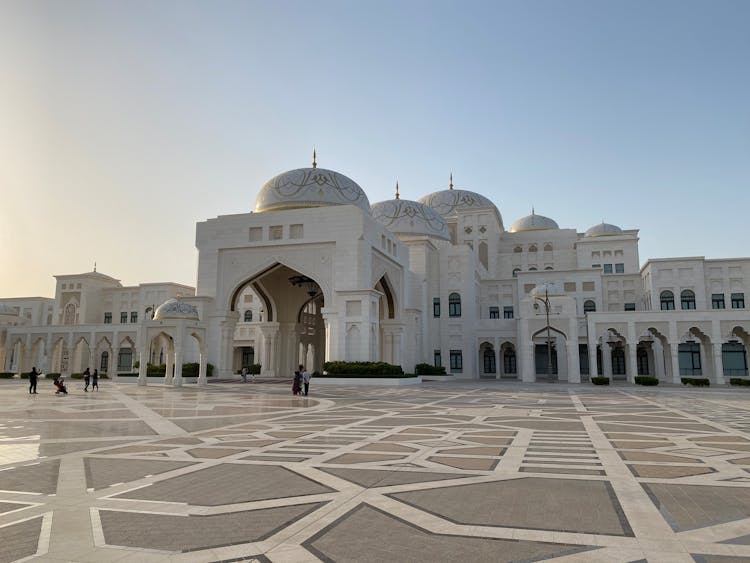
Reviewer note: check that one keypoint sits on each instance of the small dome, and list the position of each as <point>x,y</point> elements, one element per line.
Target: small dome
<point>603,230</point>
<point>8,310</point>
<point>533,222</point>
<point>405,217</point>
<point>310,187</point>
<point>547,289</point>
<point>175,309</point>
<point>447,202</point>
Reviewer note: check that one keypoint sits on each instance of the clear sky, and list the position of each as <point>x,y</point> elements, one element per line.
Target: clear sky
<point>124,123</point>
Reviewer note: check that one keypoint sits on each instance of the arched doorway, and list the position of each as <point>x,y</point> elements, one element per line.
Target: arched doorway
<point>546,353</point>
<point>291,319</point>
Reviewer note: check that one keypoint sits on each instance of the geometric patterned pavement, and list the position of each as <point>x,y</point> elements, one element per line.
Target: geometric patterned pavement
<point>474,471</point>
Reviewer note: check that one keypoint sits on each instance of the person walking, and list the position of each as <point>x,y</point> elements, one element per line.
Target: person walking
<point>297,382</point>
<point>33,376</point>
<point>95,380</point>
<point>306,379</point>
<point>86,380</point>
<point>243,373</point>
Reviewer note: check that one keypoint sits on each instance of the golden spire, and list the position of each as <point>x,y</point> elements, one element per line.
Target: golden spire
<point>397,196</point>
<point>450,185</point>
<point>315,159</point>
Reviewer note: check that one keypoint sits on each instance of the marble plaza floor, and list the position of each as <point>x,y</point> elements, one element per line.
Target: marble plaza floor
<point>472,472</point>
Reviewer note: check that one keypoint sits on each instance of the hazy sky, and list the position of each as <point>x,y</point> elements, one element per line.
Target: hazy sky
<point>122,124</point>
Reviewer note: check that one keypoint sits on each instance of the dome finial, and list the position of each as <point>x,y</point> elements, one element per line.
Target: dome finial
<point>450,185</point>
<point>532,210</point>
<point>397,196</point>
<point>94,266</point>
<point>315,159</point>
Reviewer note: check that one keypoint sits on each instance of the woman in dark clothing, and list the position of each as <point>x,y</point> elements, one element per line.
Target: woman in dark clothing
<point>95,380</point>
<point>33,376</point>
<point>86,379</point>
<point>297,383</point>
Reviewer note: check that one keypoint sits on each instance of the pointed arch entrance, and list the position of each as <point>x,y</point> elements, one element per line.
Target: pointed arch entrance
<point>291,329</point>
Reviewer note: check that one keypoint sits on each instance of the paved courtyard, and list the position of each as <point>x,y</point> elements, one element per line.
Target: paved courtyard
<point>444,472</point>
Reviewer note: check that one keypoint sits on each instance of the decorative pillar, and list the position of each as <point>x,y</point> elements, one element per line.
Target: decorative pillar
<point>675,353</point>
<point>169,362</point>
<point>177,381</point>
<point>593,368</point>
<point>143,365</point>
<point>606,359</point>
<point>718,363</point>
<point>202,369</point>
<point>528,374</point>
<point>574,363</point>
<point>499,364</point>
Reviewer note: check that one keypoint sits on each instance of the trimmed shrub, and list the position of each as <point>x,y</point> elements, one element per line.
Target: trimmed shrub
<point>600,380</point>
<point>316,374</point>
<point>371,376</point>
<point>156,370</point>
<point>253,369</point>
<point>135,374</point>
<point>741,381</point>
<point>696,381</point>
<point>6,375</point>
<point>25,374</point>
<point>191,369</point>
<point>361,368</point>
<point>646,380</point>
<point>52,375</point>
<point>76,376</point>
<point>428,369</point>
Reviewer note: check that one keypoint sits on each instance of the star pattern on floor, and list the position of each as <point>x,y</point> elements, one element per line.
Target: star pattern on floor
<point>472,471</point>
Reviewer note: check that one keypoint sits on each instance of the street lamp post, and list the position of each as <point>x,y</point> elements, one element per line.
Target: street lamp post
<point>546,304</point>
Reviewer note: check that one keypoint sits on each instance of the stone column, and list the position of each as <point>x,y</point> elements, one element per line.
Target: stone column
<point>169,362</point>
<point>142,365</point>
<point>631,367</point>
<point>499,364</point>
<point>202,368</point>
<point>674,352</point>
<point>718,363</point>
<point>528,374</point>
<point>177,381</point>
<point>574,363</point>
<point>606,359</point>
<point>593,369</point>
<point>657,356</point>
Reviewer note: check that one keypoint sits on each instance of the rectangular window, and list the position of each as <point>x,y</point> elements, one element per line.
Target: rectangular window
<point>256,234</point>
<point>733,359</point>
<point>508,312</point>
<point>125,360</point>
<point>569,287</point>
<point>689,357</point>
<point>607,268</point>
<point>588,286</point>
<point>436,307</point>
<point>296,231</point>
<point>107,318</point>
<point>437,358</point>
<point>276,232</point>
<point>717,301</point>
<point>123,318</point>
<point>457,361</point>
<point>630,306</point>
<point>494,312</point>
<point>738,301</point>
<point>619,268</point>
<point>596,265</point>
<point>133,317</point>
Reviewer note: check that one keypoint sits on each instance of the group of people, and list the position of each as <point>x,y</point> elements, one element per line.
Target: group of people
<point>301,377</point>
<point>88,379</point>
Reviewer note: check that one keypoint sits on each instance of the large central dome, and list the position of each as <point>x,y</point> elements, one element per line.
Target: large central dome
<point>310,187</point>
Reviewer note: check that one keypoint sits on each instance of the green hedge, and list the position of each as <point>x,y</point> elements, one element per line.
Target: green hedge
<point>646,380</point>
<point>76,376</point>
<point>6,374</point>
<point>253,369</point>
<point>696,381</point>
<point>52,375</point>
<point>371,376</point>
<point>191,369</point>
<point>600,380</point>
<point>429,369</point>
<point>156,370</point>
<point>25,375</point>
<point>741,381</point>
<point>361,368</point>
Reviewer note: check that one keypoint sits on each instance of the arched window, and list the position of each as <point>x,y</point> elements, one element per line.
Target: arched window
<point>548,247</point>
<point>509,361</point>
<point>589,306</point>
<point>667,300</point>
<point>548,268</point>
<point>104,362</point>
<point>248,316</point>
<point>489,361</point>
<point>515,272</point>
<point>70,314</point>
<point>483,258</point>
<point>454,305</point>
<point>532,248</point>
<point>518,249</point>
<point>687,299</point>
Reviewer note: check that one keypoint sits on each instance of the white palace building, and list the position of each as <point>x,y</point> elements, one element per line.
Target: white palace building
<point>317,273</point>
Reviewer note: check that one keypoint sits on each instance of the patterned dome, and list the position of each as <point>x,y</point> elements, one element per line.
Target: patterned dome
<point>447,202</point>
<point>603,230</point>
<point>405,217</point>
<point>533,222</point>
<point>310,187</point>
<point>175,309</point>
